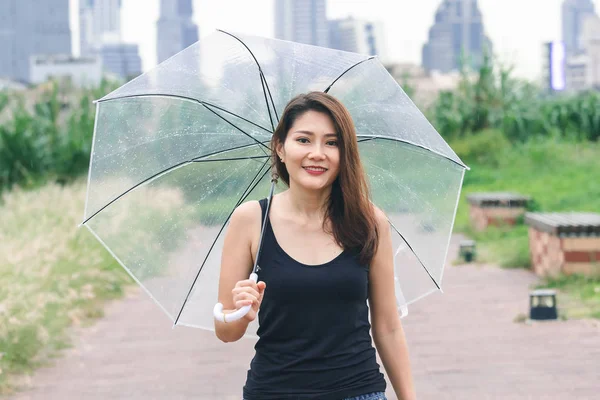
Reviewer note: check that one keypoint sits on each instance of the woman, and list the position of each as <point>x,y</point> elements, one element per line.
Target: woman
<point>326,250</point>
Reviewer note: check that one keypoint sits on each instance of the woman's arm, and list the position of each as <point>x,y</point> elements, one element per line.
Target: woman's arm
<point>388,334</point>
<point>236,265</point>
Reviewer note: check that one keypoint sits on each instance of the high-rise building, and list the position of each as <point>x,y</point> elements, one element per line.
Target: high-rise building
<point>121,59</point>
<point>590,37</point>
<point>302,21</point>
<point>573,14</point>
<point>100,36</point>
<point>583,67</point>
<point>357,36</point>
<point>86,28</point>
<point>29,28</point>
<point>175,29</point>
<point>99,22</point>
<point>8,53</point>
<point>456,38</point>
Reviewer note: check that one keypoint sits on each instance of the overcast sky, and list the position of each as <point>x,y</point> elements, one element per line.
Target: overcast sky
<point>517,28</point>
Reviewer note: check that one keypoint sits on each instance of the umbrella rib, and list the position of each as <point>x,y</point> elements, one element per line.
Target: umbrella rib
<point>132,188</point>
<point>225,151</point>
<point>231,159</point>
<point>262,82</point>
<point>412,144</point>
<point>162,172</point>
<point>271,98</point>
<point>366,139</point>
<point>238,128</point>
<point>235,115</point>
<point>261,75</point>
<point>244,195</point>
<point>343,73</point>
<point>176,96</point>
<point>411,249</point>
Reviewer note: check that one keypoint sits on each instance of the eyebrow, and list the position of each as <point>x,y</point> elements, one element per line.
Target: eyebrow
<point>310,133</point>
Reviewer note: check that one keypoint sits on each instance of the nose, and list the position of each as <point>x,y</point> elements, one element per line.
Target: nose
<point>316,152</point>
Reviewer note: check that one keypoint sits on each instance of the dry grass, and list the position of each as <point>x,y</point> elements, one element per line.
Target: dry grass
<point>52,275</point>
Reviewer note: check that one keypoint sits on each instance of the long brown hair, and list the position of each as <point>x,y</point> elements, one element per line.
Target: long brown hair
<point>349,210</point>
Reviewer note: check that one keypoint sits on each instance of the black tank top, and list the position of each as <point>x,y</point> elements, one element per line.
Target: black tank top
<point>314,334</point>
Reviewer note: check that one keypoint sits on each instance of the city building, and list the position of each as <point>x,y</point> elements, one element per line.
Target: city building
<point>590,37</point>
<point>121,59</point>
<point>456,38</point>
<point>554,64</point>
<point>423,86</point>
<point>99,21</point>
<point>573,14</point>
<point>576,72</point>
<point>302,21</point>
<point>82,71</point>
<point>582,69</point>
<point>357,36</point>
<point>29,28</point>
<point>175,29</point>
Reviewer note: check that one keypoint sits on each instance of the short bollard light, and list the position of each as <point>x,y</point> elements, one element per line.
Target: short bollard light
<point>467,250</point>
<point>542,304</point>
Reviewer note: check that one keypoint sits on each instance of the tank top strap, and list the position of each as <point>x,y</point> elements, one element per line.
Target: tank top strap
<point>266,234</point>
<point>263,208</point>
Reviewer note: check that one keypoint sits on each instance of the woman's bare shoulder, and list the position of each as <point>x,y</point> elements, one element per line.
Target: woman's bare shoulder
<point>247,213</point>
<point>380,216</point>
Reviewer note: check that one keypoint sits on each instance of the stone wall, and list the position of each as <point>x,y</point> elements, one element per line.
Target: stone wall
<point>551,254</point>
<point>482,217</point>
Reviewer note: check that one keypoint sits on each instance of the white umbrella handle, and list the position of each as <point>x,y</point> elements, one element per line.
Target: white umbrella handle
<point>237,314</point>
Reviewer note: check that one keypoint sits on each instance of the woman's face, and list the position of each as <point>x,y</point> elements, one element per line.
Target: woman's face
<point>310,151</point>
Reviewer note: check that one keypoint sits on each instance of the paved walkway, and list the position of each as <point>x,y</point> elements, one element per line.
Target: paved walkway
<point>464,345</point>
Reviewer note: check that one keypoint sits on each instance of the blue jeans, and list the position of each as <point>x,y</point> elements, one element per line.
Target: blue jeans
<point>370,396</point>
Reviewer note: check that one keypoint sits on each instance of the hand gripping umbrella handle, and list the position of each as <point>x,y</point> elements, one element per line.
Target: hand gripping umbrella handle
<point>237,314</point>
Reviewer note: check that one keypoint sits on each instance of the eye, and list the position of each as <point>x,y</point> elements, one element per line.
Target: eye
<point>302,140</point>
<point>332,143</point>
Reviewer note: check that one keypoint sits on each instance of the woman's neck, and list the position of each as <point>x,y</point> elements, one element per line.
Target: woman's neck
<point>308,204</point>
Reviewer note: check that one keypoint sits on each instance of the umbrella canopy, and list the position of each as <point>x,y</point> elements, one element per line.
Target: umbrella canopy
<point>178,148</point>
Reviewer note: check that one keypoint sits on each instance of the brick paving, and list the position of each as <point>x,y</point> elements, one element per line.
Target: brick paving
<point>464,344</point>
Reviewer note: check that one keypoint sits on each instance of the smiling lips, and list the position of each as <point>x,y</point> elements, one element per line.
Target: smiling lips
<point>315,170</point>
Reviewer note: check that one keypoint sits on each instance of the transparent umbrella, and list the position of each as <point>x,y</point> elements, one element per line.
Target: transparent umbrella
<point>178,148</point>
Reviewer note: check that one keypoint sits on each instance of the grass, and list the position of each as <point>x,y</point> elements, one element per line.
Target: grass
<point>52,276</point>
<point>558,176</point>
<point>579,295</point>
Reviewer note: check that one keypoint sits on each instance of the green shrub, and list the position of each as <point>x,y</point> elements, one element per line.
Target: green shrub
<point>494,99</point>
<point>486,147</point>
<point>50,140</point>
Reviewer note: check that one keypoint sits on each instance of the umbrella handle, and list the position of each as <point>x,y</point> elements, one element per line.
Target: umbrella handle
<point>237,314</point>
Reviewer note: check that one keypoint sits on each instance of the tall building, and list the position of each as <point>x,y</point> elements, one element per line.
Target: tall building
<point>302,21</point>
<point>456,38</point>
<point>99,22</point>
<point>357,36</point>
<point>28,28</point>
<point>591,44</point>
<point>175,29</point>
<point>583,67</point>
<point>573,14</point>
<point>86,28</point>
<point>121,59</point>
